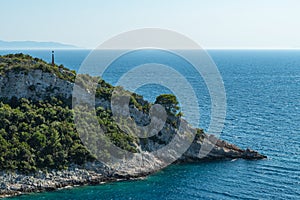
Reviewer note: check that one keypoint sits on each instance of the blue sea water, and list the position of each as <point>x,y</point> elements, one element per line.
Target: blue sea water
<point>263,113</point>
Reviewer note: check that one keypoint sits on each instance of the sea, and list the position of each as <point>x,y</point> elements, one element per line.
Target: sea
<point>262,113</point>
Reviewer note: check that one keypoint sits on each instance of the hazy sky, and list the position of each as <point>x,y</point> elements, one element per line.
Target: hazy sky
<point>211,23</point>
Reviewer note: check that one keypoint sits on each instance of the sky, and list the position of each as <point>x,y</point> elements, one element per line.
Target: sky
<point>212,24</point>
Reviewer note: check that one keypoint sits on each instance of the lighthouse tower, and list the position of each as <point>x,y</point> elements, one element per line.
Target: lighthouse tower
<point>52,59</point>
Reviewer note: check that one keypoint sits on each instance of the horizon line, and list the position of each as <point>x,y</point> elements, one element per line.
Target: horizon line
<point>80,48</point>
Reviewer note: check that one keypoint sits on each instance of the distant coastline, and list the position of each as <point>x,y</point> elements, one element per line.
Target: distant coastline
<point>10,45</point>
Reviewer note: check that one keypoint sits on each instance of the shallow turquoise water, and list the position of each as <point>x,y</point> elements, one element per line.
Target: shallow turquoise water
<point>263,113</point>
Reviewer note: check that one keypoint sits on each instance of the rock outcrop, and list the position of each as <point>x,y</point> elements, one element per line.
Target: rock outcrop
<point>218,149</point>
<point>34,84</point>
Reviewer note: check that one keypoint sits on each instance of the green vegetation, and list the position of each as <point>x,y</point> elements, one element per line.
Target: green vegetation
<point>170,103</point>
<point>21,62</point>
<point>42,135</point>
<point>38,135</point>
<point>199,134</point>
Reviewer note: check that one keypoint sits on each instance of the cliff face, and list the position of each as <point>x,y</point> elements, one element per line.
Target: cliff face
<point>34,84</point>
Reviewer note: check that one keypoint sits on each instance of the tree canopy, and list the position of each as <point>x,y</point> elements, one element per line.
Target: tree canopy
<point>42,135</point>
<point>169,102</point>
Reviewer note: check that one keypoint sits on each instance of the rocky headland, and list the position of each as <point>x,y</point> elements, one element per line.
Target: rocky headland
<point>36,83</point>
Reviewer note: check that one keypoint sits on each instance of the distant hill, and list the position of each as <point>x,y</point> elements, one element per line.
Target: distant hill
<point>34,45</point>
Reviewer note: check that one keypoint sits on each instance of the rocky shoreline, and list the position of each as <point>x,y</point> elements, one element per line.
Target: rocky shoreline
<point>13,183</point>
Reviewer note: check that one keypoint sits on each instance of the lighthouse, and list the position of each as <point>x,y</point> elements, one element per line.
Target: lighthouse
<point>52,58</point>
